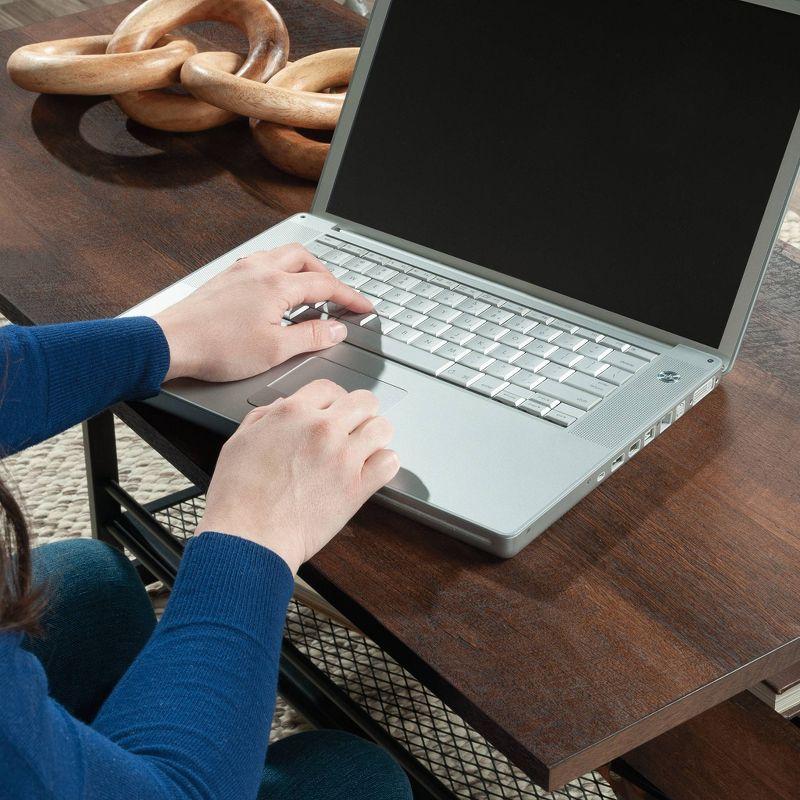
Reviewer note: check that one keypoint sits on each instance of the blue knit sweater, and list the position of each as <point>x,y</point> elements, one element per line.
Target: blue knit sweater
<point>191,717</point>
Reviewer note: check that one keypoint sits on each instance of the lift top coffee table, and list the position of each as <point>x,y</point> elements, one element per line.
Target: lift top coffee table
<point>673,587</point>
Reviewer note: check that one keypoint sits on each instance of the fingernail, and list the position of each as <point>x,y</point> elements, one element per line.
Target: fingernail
<point>338,331</point>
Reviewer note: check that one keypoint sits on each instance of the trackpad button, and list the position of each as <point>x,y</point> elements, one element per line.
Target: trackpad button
<point>316,368</point>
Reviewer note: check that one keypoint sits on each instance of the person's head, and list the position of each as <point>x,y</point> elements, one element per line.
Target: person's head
<point>19,604</point>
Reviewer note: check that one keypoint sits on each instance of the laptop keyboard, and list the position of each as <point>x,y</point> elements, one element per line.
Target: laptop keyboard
<point>518,355</point>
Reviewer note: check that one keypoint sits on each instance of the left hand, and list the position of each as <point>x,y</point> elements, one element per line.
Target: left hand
<point>230,328</point>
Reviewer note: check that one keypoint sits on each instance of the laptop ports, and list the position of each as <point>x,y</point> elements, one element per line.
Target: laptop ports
<point>648,437</point>
<point>617,462</point>
<point>665,423</point>
<point>634,448</point>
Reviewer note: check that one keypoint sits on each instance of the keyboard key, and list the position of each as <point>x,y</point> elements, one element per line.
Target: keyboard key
<point>420,304</point>
<point>487,385</point>
<point>616,344</point>
<point>432,326</point>
<point>566,358</point>
<point>406,282</point>
<point>568,341</point>
<point>332,309</point>
<point>337,272</point>
<point>496,315</point>
<point>399,296</point>
<point>531,362</point>
<point>456,335</point>
<point>405,334</point>
<point>354,279</point>
<point>571,410</point>
<point>491,331</point>
<point>544,400</point>
<point>422,274</point>
<point>480,344</point>
<point>389,310</point>
<point>445,282</point>
<point>475,360</point>
<point>472,306</point>
<point>514,308</point>
<point>429,343</point>
<point>541,349</point>
<point>359,265</point>
<point>443,313</point>
<point>460,375</point>
<point>489,298</point>
<point>351,248</point>
<point>329,240</point>
<point>594,350</point>
<point>398,265</point>
<point>567,394</point>
<point>375,288</point>
<point>594,385</point>
<point>381,273</point>
<point>616,376</point>
<point>452,351</point>
<point>499,369</point>
<point>338,257</point>
<point>469,291</point>
<point>532,407</point>
<point>449,298</point>
<point>555,372</point>
<point>318,248</point>
<point>624,361</point>
<point>467,321</point>
<point>511,396</point>
<point>356,319</point>
<point>545,332</point>
<point>373,257</point>
<point>515,339</point>
<point>305,314</point>
<point>380,324</point>
<point>592,336</point>
<point>538,316</point>
<point>526,379</point>
<point>588,366</point>
<point>428,290</point>
<point>505,353</point>
<point>569,327</point>
<point>519,324</point>
<point>640,352</point>
<point>409,317</point>
<point>559,417</point>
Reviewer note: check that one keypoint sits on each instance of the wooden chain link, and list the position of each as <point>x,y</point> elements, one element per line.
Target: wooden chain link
<point>140,60</point>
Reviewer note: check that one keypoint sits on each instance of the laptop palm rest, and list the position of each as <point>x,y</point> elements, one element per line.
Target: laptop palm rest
<point>316,368</point>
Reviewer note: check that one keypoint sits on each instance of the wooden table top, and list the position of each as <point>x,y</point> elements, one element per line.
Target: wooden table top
<point>672,587</point>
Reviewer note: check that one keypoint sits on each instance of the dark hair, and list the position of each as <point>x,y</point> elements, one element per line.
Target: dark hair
<point>20,603</point>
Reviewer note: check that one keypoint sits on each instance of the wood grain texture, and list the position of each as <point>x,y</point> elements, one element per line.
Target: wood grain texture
<point>740,749</point>
<point>670,589</point>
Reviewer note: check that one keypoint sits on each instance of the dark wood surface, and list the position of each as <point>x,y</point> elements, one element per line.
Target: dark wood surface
<point>670,589</point>
<point>739,749</point>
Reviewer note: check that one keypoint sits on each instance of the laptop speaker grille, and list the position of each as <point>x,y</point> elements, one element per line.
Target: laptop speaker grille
<point>639,403</point>
<point>286,233</point>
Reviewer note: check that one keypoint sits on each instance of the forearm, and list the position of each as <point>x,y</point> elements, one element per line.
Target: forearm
<point>54,376</point>
<point>202,693</point>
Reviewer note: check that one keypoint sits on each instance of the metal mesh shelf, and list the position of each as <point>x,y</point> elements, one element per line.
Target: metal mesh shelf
<point>415,717</point>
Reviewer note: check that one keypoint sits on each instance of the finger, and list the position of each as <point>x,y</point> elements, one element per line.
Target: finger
<point>254,416</point>
<point>315,287</point>
<point>378,470</point>
<point>319,394</point>
<point>289,258</point>
<point>306,337</point>
<point>370,436</point>
<point>354,408</point>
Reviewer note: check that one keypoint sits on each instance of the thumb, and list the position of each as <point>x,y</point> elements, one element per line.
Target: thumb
<point>314,334</point>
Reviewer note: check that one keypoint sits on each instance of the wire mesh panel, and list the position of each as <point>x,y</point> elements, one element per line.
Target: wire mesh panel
<point>415,717</point>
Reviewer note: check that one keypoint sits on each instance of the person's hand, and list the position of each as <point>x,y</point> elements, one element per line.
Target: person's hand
<point>296,470</point>
<point>230,328</point>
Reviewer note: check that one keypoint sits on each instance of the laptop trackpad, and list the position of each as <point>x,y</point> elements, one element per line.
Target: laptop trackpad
<point>316,368</point>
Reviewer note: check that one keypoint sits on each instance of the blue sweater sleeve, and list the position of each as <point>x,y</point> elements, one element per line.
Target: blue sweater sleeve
<point>54,376</point>
<point>190,718</point>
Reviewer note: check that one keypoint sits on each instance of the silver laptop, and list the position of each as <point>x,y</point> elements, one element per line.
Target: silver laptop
<point>562,216</point>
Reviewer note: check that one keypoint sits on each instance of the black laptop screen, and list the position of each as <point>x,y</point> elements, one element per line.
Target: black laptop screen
<point>618,152</point>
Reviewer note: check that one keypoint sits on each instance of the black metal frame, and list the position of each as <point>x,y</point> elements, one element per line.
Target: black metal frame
<point>123,522</point>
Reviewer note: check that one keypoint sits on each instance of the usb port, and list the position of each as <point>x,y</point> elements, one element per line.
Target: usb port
<point>649,436</point>
<point>680,410</point>
<point>665,423</point>
<point>617,462</point>
<point>634,448</point>
<point>601,475</point>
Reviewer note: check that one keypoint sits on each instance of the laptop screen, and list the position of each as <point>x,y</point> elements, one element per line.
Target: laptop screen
<point>619,152</point>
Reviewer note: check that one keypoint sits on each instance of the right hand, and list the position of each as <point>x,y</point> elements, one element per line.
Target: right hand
<point>297,470</point>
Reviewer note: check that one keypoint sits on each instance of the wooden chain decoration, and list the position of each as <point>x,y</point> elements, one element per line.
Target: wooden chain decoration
<point>141,59</point>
